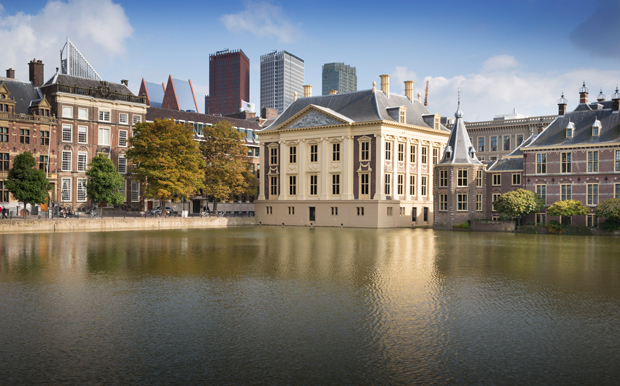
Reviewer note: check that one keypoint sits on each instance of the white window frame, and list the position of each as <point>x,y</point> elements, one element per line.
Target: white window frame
<point>292,155</point>
<point>136,119</point>
<point>82,134</point>
<point>412,185</point>
<point>387,190</point>
<point>364,151</point>
<point>292,185</point>
<point>67,111</point>
<point>314,153</point>
<point>65,193</point>
<point>424,186</point>
<point>104,115</point>
<point>81,190</point>
<point>124,121</point>
<point>122,164</point>
<point>103,140</point>
<point>412,154</point>
<point>400,184</point>
<point>122,138</point>
<point>336,184</point>
<point>82,161</point>
<point>82,116</point>
<point>67,164</point>
<point>313,185</point>
<point>67,129</point>
<point>336,152</point>
<point>135,191</point>
<point>364,185</point>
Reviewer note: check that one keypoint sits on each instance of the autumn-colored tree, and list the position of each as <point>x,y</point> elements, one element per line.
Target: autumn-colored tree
<point>228,168</point>
<point>27,184</point>
<point>167,159</point>
<point>519,203</point>
<point>568,209</point>
<point>104,182</point>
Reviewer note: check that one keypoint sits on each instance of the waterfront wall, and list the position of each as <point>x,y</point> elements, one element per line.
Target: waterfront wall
<point>493,226</point>
<point>116,224</point>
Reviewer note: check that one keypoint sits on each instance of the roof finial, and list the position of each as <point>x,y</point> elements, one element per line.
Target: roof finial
<point>459,113</point>
<point>459,97</point>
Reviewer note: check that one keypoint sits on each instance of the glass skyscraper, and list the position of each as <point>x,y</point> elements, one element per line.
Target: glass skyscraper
<point>340,77</point>
<point>281,74</point>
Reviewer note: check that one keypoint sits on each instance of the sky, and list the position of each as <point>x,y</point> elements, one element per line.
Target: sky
<point>502,55</point>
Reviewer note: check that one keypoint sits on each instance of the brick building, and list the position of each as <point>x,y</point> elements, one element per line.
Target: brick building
<point>229,82</point>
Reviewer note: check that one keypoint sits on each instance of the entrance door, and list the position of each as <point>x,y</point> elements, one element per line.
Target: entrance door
<point>149,205</point>
<point>196,208</point>
<point>312,213</point>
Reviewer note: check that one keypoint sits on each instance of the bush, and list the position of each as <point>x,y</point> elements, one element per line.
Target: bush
<point>610,225</point>
<point>556,228</point>
<point>463,225</point>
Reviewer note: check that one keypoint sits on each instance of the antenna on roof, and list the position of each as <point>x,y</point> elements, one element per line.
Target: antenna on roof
<point>426,95</point>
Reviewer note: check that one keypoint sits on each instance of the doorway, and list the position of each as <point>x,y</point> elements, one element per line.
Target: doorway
<point>196,207</point>
<point>312,213</point>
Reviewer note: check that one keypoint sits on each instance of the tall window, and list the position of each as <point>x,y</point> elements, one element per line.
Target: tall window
<point>480,144</point>
<point>566,192</point>
<point>65,193</point>
<point>292,185</point>
<point>4,162</point>
<point>123,118</point>
<point>66,133</point>
<point>412,154</point>
<point>461,202</point>
<point>425,155</point>
<point>314,185</point>
<point>412,185</point>
<point>273,153</point>
<point>292,154</point>
<point>478,202</point>
<point>414,214</point>
<point>24,136</point>
<point>81,166</point>
<point>617,191</point>
<point>273,186</point>
<point>43,163</point>
<point>566,162</point>
<point>593,161</point>
<point>541,218</point>
<point>335,152</point>
<point>461,177</point>
<point>401,152</point>
<point>479,178</point>
<point>4,135</point>
<point>314,153</point>
<point>335,184</point>
<point>137,119</point>
<point>81,189</point>
<point>617,160</point>
<point>516,178</point>
<point>82,134</point>
<point>82,113</point>
<point>364,184</point>
<point>388,183</point>
<point>66,161</point>
<point>122,138</point>
<point>506,142</point>
<point>497,179</point>
<point>135,191</point>
<point>104,116</point>
<point>541,190</point>
<point>67,112</point>
<point>104,136</point>
<point>365,151</point>
<point>435,156</point>
<point>388,151</point>
<point>495,197</point>
<point>592,194</point>
<point>519,139</point>
<point>4,192</point>
<point>443,202</point>
<point>122,164</point>
<point>424,187</point>
<point>493,143</point>
<point>401,184</point>
<point>541,163</point>
<point>443,178</point>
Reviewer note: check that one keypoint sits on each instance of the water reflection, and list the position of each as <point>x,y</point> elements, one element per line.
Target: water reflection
<point>297,305</point>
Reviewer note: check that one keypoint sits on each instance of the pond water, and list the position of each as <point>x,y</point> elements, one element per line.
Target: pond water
<point>280,305</point>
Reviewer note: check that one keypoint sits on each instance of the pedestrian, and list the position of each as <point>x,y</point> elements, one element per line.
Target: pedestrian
<point>1,216</point>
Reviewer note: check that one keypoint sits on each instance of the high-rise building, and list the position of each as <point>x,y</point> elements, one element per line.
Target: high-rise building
<point>340,77</point>
<point>281,75</point>
<point>229,82</point>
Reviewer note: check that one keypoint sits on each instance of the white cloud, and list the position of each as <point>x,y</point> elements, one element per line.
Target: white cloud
<point>486,94</point>
<point>263,20</point>
<point>499,63</point>
<point>99,29</point>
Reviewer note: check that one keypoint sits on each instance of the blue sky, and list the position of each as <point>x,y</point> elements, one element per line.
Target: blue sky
<point>501,54</point>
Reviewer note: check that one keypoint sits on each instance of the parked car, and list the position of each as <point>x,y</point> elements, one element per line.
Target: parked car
<point>169,211</point>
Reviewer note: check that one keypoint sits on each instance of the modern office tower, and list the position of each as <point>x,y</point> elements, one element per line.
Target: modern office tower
<point>281,75</point>
<point>340,77</point>
<point>229,82</point>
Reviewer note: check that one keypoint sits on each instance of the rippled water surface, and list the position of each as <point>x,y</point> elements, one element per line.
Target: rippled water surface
<point>267,305</point>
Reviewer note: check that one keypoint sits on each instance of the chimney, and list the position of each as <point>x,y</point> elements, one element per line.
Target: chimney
<point>36,74</point>
<point>601,97</point>
<point>583,94</point>
<point>385,84</point>
<point>562,102</point>
<point>307,90</point>
<point>615,99</point>
<point>125,82</point>
<point>333,92</point>
<point>426,95</point>
<point>409,89</point>
<point>10,73</point>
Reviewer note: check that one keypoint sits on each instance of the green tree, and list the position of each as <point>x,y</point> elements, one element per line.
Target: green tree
<point>568,209</point>
<point>519,203</point>
<point>609,209</point>
<point>27,184</point>
<point>228,169</point>
<point>166,159</point>
<point>104,182</point>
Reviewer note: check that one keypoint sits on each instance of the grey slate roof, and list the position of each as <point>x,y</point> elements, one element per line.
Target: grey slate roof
<point>518,151</point>
<point>69,80</point>
<point>23,92</point>
<point>555,133</point>
<point>507,164</point>
<point>359,106</point>
<point>459,148</point>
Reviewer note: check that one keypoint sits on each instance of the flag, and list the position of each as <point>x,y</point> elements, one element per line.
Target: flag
<point>247,106</point>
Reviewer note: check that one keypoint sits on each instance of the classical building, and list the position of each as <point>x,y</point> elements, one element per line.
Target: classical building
<point>281,76</point>
<point>339,77</point>
<point>229,82</point>
<point>362,159</point>
<point>26,124</point>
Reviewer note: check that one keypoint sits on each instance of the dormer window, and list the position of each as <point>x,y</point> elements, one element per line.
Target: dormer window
<point>596,128</point>
<point>402,114</point>
<point>570,129</point>
<point>448,152</point>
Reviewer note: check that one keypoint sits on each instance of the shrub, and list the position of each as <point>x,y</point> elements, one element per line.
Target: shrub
<point>610,225</point>
<point>463,225</point>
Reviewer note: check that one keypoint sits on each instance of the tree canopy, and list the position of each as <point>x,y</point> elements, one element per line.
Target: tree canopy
<point>519,203</point>
<point>609,209</point>
<point>104,182</point>
<point>167,159</point>
<point>227,167</point>
<point>568,208</point>
<point>27,184</point>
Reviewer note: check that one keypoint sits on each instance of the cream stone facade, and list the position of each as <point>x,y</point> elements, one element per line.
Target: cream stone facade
<point>362,159</point>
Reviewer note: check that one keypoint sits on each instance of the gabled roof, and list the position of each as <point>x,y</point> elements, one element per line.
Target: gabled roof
<point>459,149</point>
<point>359,106</point>
<point>153,92</point>
<point>179,95</point>
<point>507,164</point>
<point>23,92</point>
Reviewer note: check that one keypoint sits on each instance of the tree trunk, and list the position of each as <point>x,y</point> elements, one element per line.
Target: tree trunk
<point>215,205</point>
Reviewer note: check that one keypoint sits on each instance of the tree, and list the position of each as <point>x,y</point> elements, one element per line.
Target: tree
<point>519,203</point>
<point>228,169</point>
<point>104,182</point>
<point>166,159</point>
<point>27,184</point>
<point>609,209</point>
<point>568,209</point>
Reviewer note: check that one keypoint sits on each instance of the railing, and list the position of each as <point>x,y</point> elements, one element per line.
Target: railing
<point>99,92</point>
<point>27,118</point>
